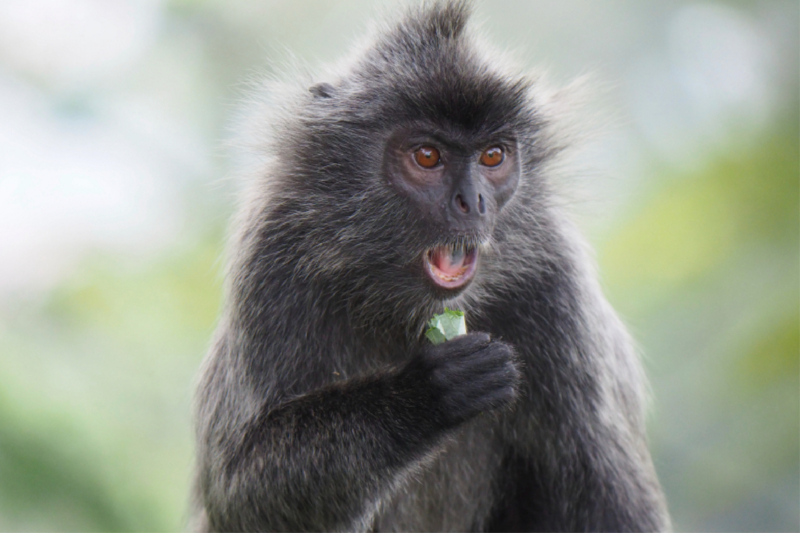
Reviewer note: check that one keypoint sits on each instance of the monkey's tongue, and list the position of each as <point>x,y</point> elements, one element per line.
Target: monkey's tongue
<point>449,261</point>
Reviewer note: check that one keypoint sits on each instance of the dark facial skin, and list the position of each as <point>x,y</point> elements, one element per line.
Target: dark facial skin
<point>460,193</point>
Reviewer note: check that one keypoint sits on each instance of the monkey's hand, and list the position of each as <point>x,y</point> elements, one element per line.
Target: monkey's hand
<point>466,376</point>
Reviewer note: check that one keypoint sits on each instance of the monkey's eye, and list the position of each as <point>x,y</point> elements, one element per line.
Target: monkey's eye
<point>427,156</point>
<point>491,157</point>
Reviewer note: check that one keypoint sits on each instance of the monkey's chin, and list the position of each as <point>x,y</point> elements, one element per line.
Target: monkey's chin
<point>451,267</point>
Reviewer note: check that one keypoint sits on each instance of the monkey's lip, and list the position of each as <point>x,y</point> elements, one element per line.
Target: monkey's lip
<point>451,267</point>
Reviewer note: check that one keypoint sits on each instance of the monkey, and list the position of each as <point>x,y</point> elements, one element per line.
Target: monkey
<point>418,176</point>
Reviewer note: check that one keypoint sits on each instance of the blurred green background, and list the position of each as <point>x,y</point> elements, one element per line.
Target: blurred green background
<point>114,201</point>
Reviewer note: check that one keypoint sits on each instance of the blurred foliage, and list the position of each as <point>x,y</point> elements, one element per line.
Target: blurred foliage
<point>95,402</point>
<point>706,270</point>
<point>703,262</point>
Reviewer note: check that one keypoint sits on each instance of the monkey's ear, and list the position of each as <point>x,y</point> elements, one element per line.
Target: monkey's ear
<point>322,90</point>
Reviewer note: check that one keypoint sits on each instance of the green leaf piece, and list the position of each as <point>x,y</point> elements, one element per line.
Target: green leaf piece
<point>446,326</point>
<point>435,336</point>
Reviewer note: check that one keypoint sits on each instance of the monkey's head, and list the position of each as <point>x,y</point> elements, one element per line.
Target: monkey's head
<point>403,166</point>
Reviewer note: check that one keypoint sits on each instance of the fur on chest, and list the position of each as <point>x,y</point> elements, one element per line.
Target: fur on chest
<point>453,489</point>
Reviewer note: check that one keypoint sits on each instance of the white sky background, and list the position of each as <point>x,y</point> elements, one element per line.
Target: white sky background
<point>111,111</point>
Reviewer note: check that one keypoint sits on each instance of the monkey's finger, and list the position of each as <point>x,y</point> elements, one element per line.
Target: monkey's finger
<point>460,346</point>
<point>466,368</point>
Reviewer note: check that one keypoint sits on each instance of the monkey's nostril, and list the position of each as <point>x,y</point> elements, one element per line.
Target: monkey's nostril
<point>481,205</point>
<point>462,205</point>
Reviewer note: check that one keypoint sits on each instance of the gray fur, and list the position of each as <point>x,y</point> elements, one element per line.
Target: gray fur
<point>320,405</point>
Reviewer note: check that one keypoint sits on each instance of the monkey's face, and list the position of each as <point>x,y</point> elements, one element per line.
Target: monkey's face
<point>456,183</point>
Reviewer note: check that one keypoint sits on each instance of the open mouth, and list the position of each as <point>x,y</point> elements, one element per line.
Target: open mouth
<point>451,266</point>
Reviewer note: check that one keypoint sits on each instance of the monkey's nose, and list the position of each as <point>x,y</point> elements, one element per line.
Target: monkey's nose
<point>469,204</point>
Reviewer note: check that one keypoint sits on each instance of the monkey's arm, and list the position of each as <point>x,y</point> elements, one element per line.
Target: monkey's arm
<point>324,460</point>
<point>577,458</point>
<point>577,461</point>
